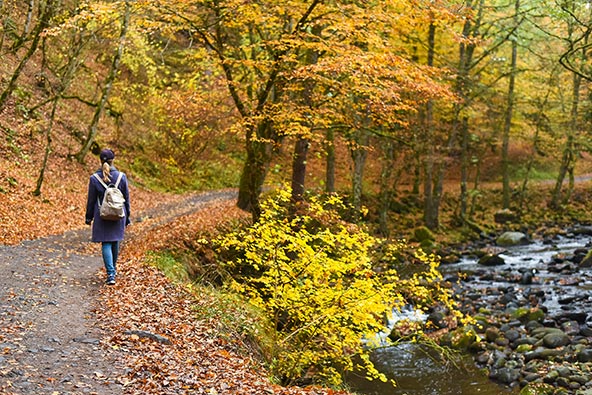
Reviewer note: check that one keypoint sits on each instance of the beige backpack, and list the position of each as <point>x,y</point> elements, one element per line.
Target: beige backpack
<point>113,206</point>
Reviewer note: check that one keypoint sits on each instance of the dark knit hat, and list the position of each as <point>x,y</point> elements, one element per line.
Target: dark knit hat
<point>106,155</point>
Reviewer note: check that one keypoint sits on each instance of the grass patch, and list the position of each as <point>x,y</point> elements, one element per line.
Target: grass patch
<point>171,267</point>
<point>536,174</point>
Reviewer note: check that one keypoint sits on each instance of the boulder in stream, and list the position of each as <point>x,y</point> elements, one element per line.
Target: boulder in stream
<point>491,260</point>
<point>507,239</point>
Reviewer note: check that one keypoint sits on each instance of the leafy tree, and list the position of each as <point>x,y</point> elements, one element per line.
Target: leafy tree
<point>46,12</point>
<point>108,83</point>
<point>261,49</point>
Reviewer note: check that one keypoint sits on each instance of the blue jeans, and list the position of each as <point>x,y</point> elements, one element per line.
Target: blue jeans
<point>110,251</point>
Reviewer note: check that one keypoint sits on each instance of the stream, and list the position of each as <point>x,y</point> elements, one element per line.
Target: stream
<point>543,268</point>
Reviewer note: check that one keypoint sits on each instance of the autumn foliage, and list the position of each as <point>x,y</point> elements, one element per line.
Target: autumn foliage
<point>316,279</point>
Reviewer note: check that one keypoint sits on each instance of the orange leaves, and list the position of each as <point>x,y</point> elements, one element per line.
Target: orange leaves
<point>144,305</point>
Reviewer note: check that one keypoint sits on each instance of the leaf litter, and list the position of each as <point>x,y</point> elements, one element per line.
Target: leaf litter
<point>56,280</point>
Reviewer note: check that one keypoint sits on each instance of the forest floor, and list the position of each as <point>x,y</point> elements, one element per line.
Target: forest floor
<point>63,331</point>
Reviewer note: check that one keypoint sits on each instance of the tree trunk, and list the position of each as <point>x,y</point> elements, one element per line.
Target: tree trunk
<point>48,131</point>
<point>385,187</point>
<point>254,171</point>
<point>359,155</point>
<point>538,125</point>
<point>569,151</point>
<point>303,143</point>
<point>93,127</point>
<point>330,165</point>
<point>475,189</point>
<point>508,117</point>
<point>464,167</point>
<point>417,167</point>
<point>44,19</point>
<point>29,19</point>
<point>299,169</point>
<point>66,79</point>
<point>428,178</point>
<point>5,20</point>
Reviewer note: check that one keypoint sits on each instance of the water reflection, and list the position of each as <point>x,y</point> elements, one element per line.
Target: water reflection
<point>420,371</point>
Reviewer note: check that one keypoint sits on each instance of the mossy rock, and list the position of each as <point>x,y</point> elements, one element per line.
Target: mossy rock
<point>422,234</point>
<point>463,338</point>
<point>524,314</point>
<point>587,261</point>
<point>491,260</point>
<point>537,389</point>
<point>512,239</point>
<point>428,245</point>
<point>523,348</point>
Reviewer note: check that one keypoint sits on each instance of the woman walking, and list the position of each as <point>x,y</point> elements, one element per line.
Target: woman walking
<point>109,232</point>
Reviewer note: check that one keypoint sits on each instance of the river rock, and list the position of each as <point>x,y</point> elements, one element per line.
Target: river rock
<point>491,260</point>
<point>526,278</point>
<point>512,335</point>
<point>556,340</point>
<point>585,331</point>
<point>523,348</point>
<point>543,354</point>
<point>491,334</point>
<point>512,239</point>
<point>587,260</point>
<point>584,355</point>
<point>571,328</point>
<point>438,319</point>
<point>460,339</point>
<point>563,371</point>
<point>527,315</point>
<point>506,375</point>
<point>538,389</point>
<point>582,230</point>
<point>531,341</point>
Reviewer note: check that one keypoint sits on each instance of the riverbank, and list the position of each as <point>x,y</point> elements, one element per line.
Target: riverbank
<point>532,325</point>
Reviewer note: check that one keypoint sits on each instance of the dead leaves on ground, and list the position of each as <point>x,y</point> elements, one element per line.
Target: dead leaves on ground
<point>197,361</point>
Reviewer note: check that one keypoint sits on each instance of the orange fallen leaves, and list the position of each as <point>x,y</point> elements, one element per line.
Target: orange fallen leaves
<point>197,361</point>
<point>144,299</point>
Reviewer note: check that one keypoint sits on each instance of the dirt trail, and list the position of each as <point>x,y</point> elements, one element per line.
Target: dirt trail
<point>50,337</point>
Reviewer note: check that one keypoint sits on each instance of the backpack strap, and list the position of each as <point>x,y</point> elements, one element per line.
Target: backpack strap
<point>118,179</point>
<point>100,180</point>
<point>105,185</point>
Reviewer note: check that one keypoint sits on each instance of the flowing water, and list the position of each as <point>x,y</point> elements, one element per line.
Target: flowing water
<point>418,371</point>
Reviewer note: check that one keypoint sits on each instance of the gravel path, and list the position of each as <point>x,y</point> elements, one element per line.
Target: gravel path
<point>50,336</point>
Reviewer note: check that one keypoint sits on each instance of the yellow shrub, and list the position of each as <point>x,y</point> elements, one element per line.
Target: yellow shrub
<point>314,275</point>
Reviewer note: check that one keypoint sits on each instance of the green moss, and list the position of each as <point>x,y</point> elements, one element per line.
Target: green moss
<point>169,265</point>
<point>537,389</point>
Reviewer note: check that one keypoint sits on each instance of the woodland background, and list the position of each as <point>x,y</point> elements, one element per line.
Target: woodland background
<point>373,99</point>
<point>434,113</point>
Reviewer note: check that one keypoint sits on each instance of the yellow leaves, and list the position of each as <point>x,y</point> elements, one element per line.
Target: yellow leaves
<point>314,276</point>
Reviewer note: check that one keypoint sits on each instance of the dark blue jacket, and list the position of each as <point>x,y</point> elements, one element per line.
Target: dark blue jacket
<point>106,230</point>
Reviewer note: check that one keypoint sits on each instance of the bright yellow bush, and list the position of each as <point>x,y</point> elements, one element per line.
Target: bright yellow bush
<point>315,276</point>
